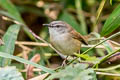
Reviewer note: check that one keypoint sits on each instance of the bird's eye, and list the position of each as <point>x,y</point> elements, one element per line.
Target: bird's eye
<point>58,26</point>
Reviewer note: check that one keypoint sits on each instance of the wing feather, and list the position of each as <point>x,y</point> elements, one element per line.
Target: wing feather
<point>79,37</point>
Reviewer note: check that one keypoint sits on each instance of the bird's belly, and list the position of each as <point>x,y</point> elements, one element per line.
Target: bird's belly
<point>66,45</point>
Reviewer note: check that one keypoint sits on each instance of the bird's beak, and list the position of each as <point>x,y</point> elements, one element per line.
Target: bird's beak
<point>48,25</point>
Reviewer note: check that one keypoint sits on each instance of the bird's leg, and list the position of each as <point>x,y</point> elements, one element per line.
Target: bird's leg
<point>79,51</point>
<point>79,59</point>
<point>64,62</point>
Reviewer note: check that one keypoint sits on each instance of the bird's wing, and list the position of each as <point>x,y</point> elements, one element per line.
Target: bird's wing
<point>79,37</point>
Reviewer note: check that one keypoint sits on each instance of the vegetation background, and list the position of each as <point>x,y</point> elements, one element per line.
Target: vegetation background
<point>25,41</point>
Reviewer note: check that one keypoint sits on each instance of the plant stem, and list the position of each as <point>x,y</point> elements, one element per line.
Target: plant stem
<point>81,16</point>
<point>98,14</point>
<point>112,36</point>
<point>100,8</point>
<point>107,56</point>
<point>108,69</point>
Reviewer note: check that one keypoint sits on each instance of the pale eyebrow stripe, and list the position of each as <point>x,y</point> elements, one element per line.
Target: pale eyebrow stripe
<point>59,24</point>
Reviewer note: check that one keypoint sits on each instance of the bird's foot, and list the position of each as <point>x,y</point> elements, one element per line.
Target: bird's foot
<point>64,62</point>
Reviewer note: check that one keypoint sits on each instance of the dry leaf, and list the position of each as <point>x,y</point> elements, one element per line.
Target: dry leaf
<point>1,42</point>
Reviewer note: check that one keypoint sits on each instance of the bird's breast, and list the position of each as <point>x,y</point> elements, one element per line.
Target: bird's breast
<point>65,44</point>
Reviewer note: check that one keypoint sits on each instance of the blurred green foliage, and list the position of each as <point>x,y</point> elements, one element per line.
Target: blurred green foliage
<point>85,16</point>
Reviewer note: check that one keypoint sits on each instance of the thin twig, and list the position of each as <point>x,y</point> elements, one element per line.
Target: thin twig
<point>31,43</point>
<point>108,69</point>
<point>107,56</point>
<point>108,74</point>
<point>35,70</point>
<point>44,44</point>
<point>112,36</point>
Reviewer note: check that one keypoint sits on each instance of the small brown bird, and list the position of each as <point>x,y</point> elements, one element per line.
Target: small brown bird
<point>64,38</point>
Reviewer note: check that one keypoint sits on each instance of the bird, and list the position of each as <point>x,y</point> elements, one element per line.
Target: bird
<point>64,38</point>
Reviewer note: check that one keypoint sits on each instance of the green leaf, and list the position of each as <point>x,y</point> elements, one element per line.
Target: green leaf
<point>7,55</point>
<point>88,58</point>
<point>11,9</point>
<point>76,72</point>
<point>108,46</point>
<point>10,73</point>
<point>9,43</point>
<point>67,17</point>
<point>111,2</point>
<point>112,23</point>
<point>12,12</point>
